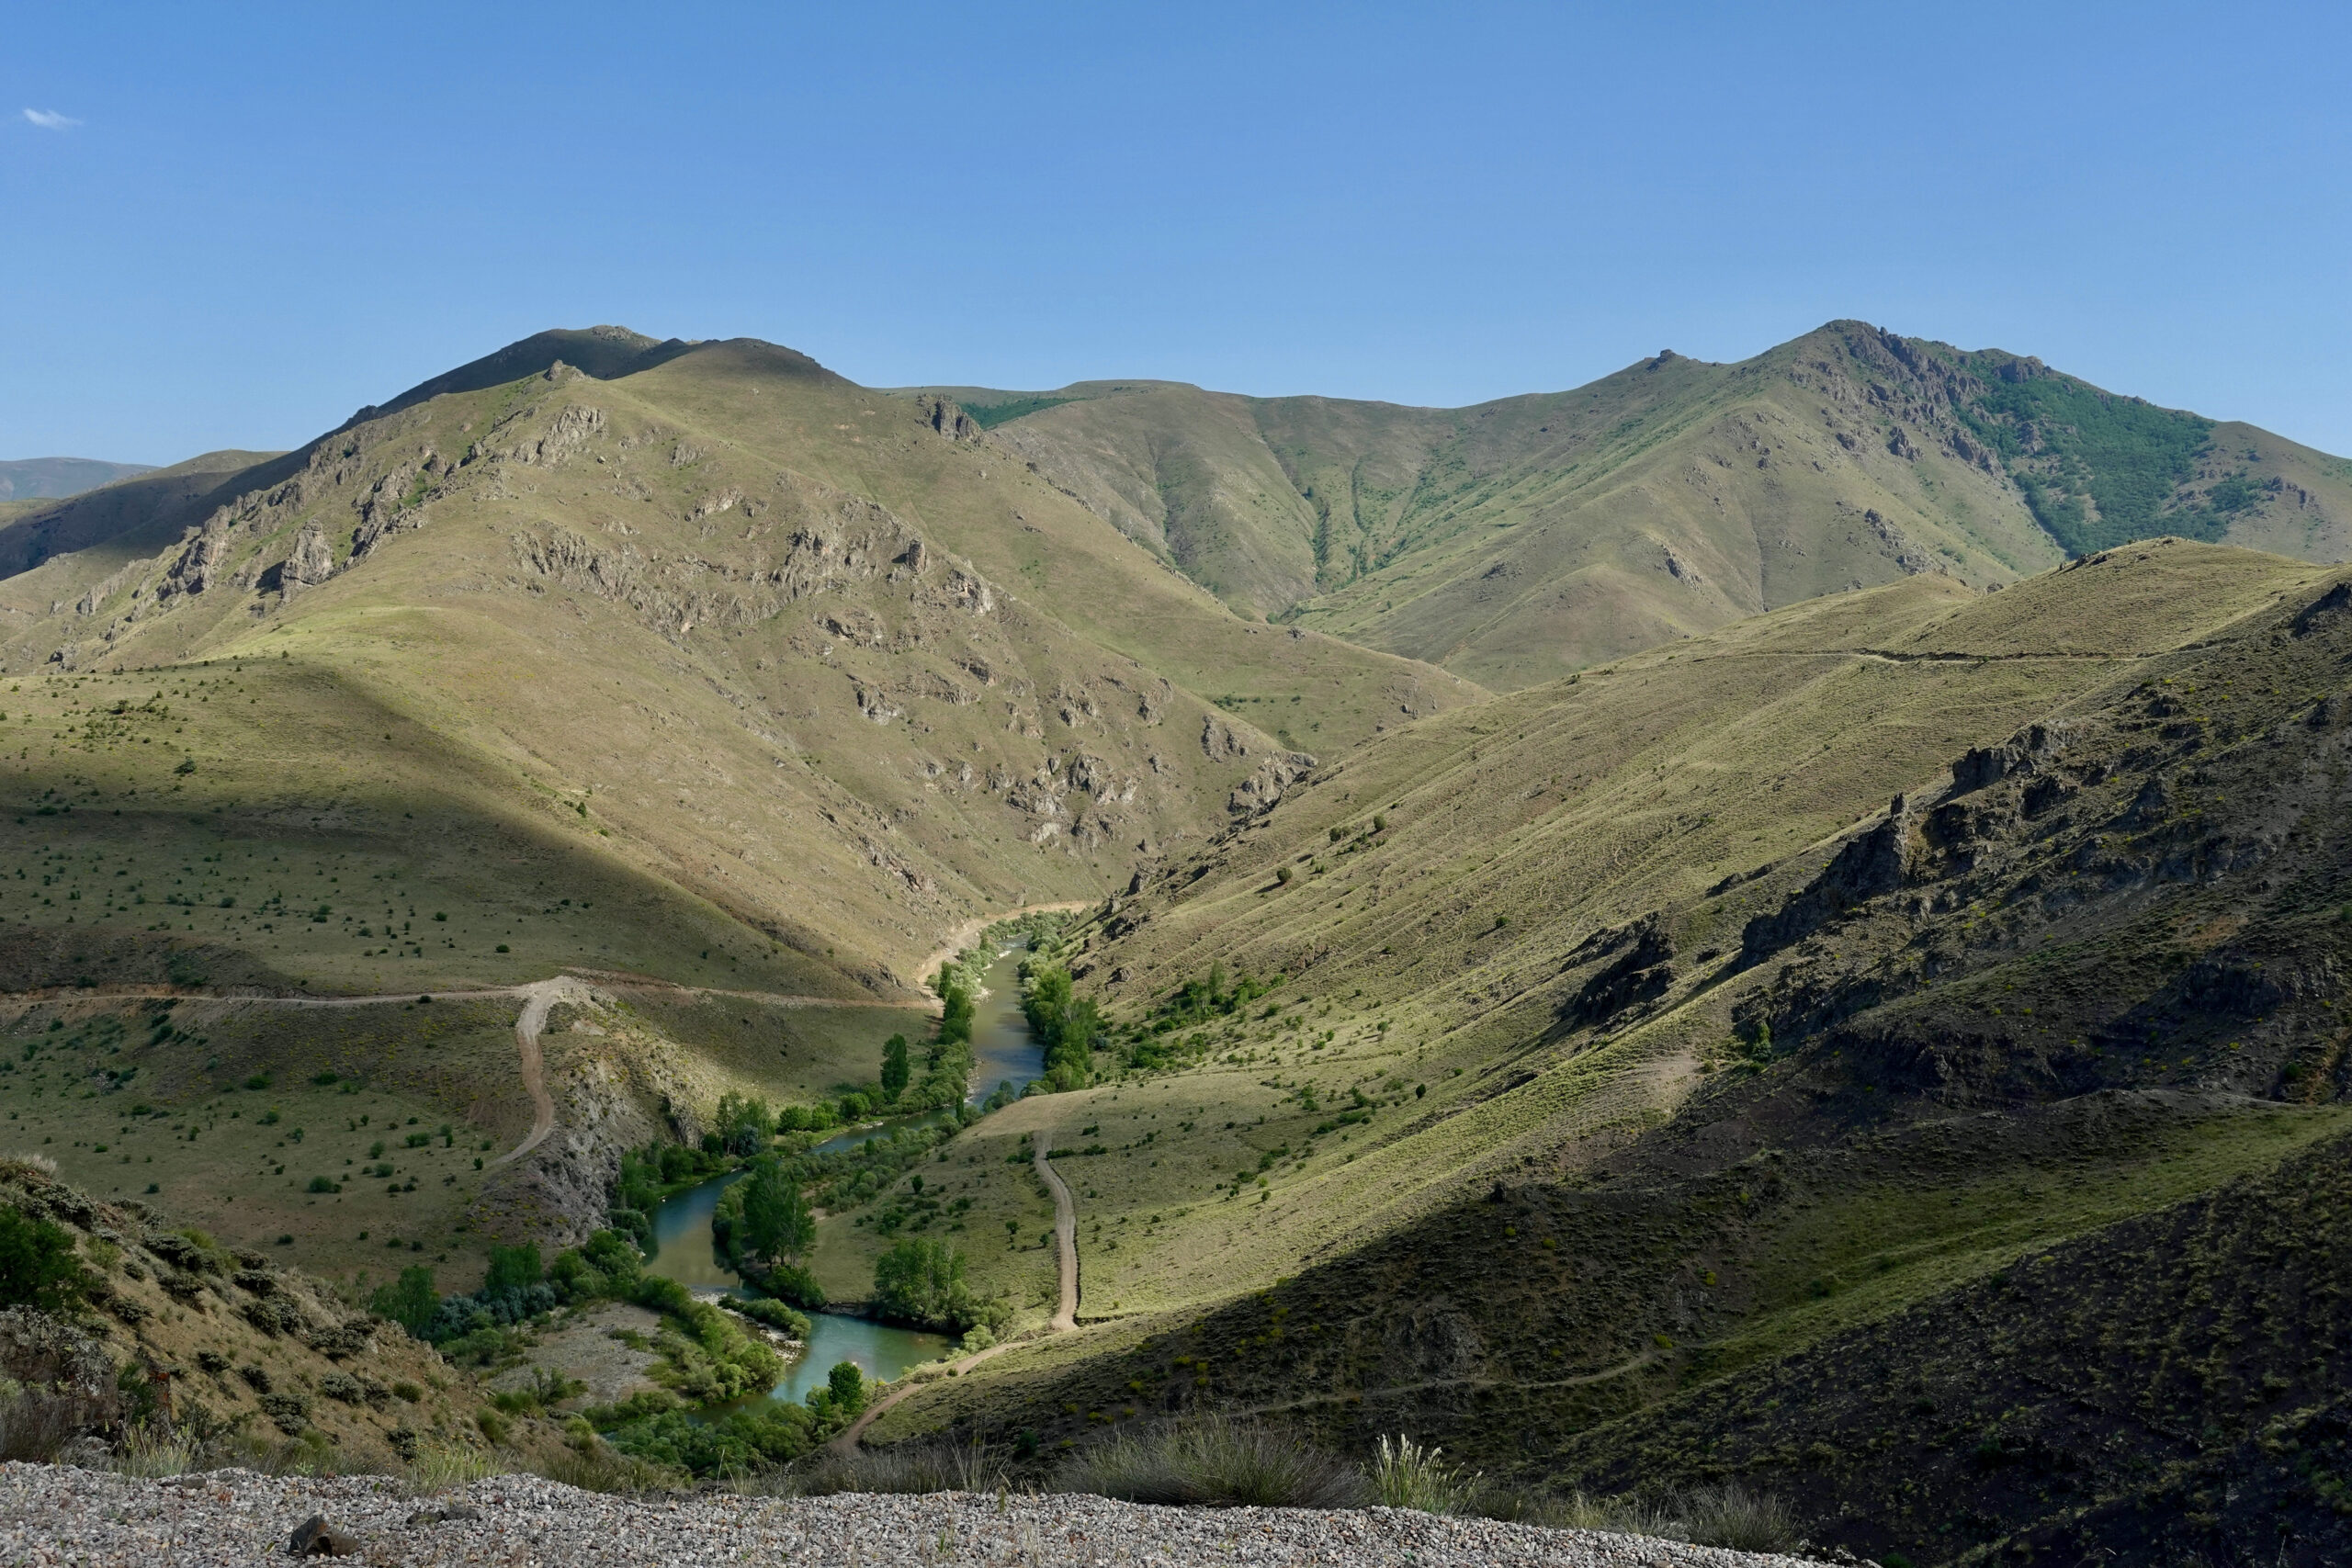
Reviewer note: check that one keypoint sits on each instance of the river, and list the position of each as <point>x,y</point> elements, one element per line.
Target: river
<point>682,1251</point>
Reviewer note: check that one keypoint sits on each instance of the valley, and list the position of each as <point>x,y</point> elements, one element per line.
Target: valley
<point>1648,936</point>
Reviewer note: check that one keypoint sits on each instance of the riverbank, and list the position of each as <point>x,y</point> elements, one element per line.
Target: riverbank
<point>970,931</point>
<point>57,1514</point>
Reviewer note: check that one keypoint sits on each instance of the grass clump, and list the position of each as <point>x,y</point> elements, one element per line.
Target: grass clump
<point>1727,1516</point>
<point>904,1468</point>
<point>444,1467</point>
<point>1406,1476</point>
<point>1214,1462</point>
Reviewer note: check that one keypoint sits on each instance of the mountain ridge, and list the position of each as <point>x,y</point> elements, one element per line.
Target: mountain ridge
<point>1524,537</point>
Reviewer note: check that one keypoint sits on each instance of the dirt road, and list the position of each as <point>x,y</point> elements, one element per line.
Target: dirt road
<point>1065,1317</point>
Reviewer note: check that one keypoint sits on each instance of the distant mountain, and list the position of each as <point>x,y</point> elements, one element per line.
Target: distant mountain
<point>1519,540</point>
<point>35,479</point>
<point>931,683</point>
<point>126,516</point>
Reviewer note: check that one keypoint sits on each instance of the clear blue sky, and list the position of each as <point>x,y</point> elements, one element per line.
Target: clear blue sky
<point>252,219</point>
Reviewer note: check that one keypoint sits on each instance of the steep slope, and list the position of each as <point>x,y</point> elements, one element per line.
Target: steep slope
<point>125,517</point>
<point>34,478</point>
<point>1453,886</point>
<point>1521,539</point>
<point>722,675</point>
<point>209,1341</point>
<point>1855,1137</point>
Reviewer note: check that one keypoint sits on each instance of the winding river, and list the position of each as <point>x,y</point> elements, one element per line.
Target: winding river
<point>683,1249</point>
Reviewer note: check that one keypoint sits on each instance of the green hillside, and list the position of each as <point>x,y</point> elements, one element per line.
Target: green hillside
<point>1620,1053</point>
<point>719,678</point>
<point>1522,540</point>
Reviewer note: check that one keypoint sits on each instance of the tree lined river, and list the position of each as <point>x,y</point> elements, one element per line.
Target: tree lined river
<point>683,1249</point>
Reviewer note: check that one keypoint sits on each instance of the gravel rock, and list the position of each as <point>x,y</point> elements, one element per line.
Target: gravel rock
<point>55,1514</point>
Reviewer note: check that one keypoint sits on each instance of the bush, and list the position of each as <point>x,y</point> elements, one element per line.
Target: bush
<point>776,1315</point>
<point>902,1468</point>
<point>921,1282</point>
<point>1217,1462</point>
<point>37,1267</point>
<point>762,1434</point>
<point>1406,1476</point>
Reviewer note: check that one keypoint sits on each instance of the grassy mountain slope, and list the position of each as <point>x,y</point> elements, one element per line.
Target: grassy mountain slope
<point>2086,969</point>
<point>246,1345</point>
<point>720,674</point>
<point>1522,540</point>
<point>34,478</point>
<point>1516,839</point>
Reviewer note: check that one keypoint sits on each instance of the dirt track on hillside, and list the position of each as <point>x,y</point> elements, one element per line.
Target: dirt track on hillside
<point>1065,1317</point>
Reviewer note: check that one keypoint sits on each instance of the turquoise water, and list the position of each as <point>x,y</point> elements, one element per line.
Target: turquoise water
<point>1003,1049</point>
<point>881,1352</point>
<point>682,1243</point>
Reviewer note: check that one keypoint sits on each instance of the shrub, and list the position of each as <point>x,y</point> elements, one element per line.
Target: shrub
<point>410,1301</point>
<point>1213,1461</point>
<point>37,1267</point>
<point>323,1184</point>
<point>902,1468</point>
<point>1406,1476</point>
<point>764,1433</point>
<point>776,1315</point>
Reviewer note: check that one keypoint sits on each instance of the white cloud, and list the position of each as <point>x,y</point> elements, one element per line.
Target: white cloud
<point>49,119</point>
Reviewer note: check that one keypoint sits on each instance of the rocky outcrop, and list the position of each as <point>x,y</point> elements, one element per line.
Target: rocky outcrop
<point>949,420</point>
<point>1869,865</point>
<point>566,433</point>
<point>1642,970</point>
<point>680,591</point>
<point>309,563</point>
<point>1262,790</point>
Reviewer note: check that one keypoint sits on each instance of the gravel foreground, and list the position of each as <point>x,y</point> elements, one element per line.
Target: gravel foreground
<point>59,1515</point>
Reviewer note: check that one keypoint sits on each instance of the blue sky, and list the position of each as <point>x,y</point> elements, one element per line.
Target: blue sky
<point>232,225</point>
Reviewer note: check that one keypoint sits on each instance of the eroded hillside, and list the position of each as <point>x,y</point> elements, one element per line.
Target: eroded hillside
<point>1719,1128</point>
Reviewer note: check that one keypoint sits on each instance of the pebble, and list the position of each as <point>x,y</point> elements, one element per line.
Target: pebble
<point>54,1515</point>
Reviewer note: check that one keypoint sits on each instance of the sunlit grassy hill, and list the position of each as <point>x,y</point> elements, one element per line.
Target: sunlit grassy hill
<point>691,670</point>
<point>1627,1038</point>
<point>1521,539</point>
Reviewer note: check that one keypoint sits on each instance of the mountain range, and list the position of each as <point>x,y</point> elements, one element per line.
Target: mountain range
<point>1782,922</point>
<point>1518,541</point>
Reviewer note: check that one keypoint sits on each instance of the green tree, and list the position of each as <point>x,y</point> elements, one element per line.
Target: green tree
<point>847,1385</point>
<point>776,1220</point>
<point>895,1071</point>
<point>409,1301</point>
<point>954,1008</point>
<point>742,1124</point>
<point>514,1267</point>
<point>37,1267</point>
<point>921,1282</point>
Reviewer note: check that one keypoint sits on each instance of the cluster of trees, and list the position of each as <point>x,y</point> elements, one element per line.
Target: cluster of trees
<point>762,1225</point>
<point>1070,1027</point>
<point>920,1284</point>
